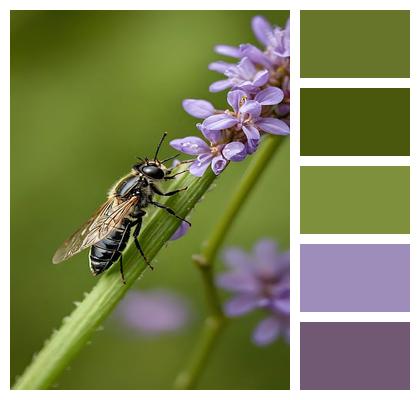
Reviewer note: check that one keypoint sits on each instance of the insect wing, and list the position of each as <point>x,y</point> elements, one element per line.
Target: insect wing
<point>103,222</point>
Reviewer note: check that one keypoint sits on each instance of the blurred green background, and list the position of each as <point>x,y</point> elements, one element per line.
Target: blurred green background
<point>89,92</point>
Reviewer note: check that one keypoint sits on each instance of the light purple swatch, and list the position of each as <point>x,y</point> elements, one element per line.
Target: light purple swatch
<point>355,355</point>
<point>354,277</point>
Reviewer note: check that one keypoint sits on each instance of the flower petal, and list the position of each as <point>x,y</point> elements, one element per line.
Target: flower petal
<point>251,107</point>
<point>235,98</point>
<point>218,164</point>
<point>281,42</point>
<point>282,305</point>
<point>255,55</point>
<point>267,331</point>
<point>262,29</point>
<point>212,136</point>
<point>240,305</point>
<point>218,86</point>
<point>219,121</point>
<point>270,263</point>
<point>246,69</point>
<point>269,96</point>
<point>247,86</point>
<point>190,145</point>
<point>219,66</point>
<point>234,151</point>
<point>239,281</point>
<point>236,258</point>
<point>287,26</point>
<point>266,250</point>
<point>251,132</point>
<point>198,108</point>
<point>273,125</point>
<point>199,166</point>
<point>252,145</point>
<point>261,78</point>
<point>230,51</point>
<point>181,231</point>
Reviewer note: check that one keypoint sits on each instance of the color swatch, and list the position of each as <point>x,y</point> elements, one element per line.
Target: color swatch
<point>355,122</point>
<point>355,355</point>
<point>353,43</point>
<point>355,277</point>
<point>367,118</point>
<point>355,200</point>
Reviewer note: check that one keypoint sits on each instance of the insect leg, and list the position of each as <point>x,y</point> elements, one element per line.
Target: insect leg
<point>160,193</point>
<point>170,211</point>
<point>121,270</point>
<point>174,175</point>
<point>137,243</point>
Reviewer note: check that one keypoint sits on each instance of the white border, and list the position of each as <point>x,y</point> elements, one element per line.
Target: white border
<point>296,316</point>
<point>354,82</point>
<point>354,161</point>
<point>354,316</point>
<point>294,201</point>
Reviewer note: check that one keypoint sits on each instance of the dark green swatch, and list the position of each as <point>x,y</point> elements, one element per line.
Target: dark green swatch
<point>355,44</point>
<point>355,122</point>
<point>355,200</point>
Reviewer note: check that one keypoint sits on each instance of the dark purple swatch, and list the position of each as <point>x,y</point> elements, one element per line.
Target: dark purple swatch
<point>355,277</point>
<point>355,355</point>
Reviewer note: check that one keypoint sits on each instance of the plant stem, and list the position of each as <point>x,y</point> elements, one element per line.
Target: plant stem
<point>79,326</point>
<point>214,323</point>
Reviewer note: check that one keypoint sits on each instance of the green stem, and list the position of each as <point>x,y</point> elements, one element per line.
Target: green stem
<point>248,183</point>
<point>79,326</point>
<point>214,323</point>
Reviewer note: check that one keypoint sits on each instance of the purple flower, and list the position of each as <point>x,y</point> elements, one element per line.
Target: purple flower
<point>246,115</point>
<point>259,281</point>
<point>154,312</point>
<point>273,62</point>
<point>259,100</point>
<point>181,231</point>
<point>275,39</point>
<point>217,153</point>
<point>243,75</point>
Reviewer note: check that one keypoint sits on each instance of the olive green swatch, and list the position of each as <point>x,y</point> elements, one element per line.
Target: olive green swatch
<point>355,122</point>
<point>355,44</point>
<point>355,200</point>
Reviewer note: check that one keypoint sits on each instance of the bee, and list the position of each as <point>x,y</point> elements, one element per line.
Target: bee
<point>108,230</point>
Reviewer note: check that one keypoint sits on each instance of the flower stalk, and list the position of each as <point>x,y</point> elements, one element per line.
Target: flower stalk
<point>77,329</point>
<point>216,320</point>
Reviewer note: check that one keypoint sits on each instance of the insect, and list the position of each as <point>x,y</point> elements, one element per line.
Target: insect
<point>108,230</point>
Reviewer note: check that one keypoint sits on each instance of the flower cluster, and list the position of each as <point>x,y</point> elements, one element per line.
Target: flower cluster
<point>259,98</point>
<point>259,281</point>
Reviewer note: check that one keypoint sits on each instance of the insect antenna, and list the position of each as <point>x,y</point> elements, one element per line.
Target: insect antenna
<point>160,144</point>
<point>170,158</point>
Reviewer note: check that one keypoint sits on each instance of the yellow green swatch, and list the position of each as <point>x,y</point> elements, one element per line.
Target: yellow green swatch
<point>355,44</point>
<point>355,200</point>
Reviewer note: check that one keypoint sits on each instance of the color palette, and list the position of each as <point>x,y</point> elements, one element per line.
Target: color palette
<point>355,122</point>
<point>355,44</point>
<point>361,200</point>
<point>355,277</point>
<point>355,200</point>
<point>355,355</point>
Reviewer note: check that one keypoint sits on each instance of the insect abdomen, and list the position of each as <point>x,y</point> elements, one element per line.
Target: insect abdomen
<point>104,253</point>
